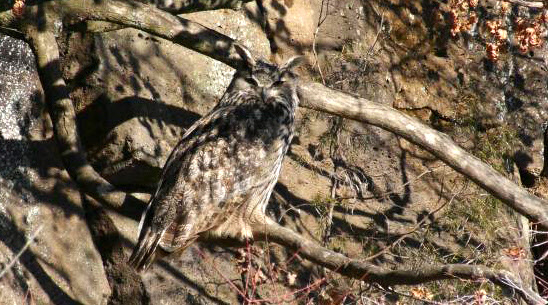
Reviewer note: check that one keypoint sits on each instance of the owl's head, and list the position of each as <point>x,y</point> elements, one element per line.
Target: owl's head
<point>268,81</point>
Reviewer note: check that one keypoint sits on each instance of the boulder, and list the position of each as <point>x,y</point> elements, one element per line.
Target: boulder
<point>39,205</point>
<point>129,118</point>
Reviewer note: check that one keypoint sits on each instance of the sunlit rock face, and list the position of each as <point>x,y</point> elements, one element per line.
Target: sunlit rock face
<point>37,199</point>
<point>143,92</point>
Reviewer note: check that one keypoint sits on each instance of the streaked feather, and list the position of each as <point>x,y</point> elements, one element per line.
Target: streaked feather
<point>219,177</point>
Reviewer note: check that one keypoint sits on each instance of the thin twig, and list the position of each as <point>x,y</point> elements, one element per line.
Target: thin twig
<point>248,273</point>
<point>320,21</point>
<point>335,156</point>
<point>329,223</point>
<point>372,47</point>
<point>296,208</point>
<point>526,3</point>
<point>25,247</point>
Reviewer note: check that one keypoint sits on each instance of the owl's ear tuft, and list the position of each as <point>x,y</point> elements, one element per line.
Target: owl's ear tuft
<point>245,55</point>
<point>293,63</point>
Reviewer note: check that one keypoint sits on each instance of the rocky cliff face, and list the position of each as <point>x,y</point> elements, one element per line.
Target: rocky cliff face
<point>136,94</point>
<point>39,205</point>
<point>130,117</point>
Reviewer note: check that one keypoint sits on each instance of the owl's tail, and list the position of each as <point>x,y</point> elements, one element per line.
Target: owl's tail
<point>154,243</point>
<point>145,252</point>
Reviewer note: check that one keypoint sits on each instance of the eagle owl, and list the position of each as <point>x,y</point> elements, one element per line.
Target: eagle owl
<point>219,177</point>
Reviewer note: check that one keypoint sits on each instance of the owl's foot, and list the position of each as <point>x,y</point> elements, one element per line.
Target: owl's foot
<point>238,227</point>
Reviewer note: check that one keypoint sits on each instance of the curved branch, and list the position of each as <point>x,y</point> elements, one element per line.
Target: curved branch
<point>156,22</point>
<point>374,274</point>
<point>174,7</point>
<point>139,16</point>
<point>187,6</point>
<point>316,96</point>
<point>63,116</point>
<point>321,98</point>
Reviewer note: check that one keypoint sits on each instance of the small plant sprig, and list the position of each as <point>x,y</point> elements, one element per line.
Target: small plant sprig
<point>527,31</point>
<point>18,8</point>
<point>462,15</point>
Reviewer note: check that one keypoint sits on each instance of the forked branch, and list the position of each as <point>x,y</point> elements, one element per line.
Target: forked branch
<point>370,273</point>
<point>63,116</point>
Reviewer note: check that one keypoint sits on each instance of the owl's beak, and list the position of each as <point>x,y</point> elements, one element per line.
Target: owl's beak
<point>264,94</point>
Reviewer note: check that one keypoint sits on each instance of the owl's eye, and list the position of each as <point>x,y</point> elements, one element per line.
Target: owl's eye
<point>278,83</point>
<point>286,76</point>
<point>252,81</point>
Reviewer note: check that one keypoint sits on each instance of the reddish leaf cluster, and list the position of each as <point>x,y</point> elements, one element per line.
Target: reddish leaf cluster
<point>18,8</point>
<point>528,33</point>
<point>493,51</point>
<point>421,293</point>
<point>500,34</point>
<point>515,253</point>
<point>495,28</point>
<point>461,17</point>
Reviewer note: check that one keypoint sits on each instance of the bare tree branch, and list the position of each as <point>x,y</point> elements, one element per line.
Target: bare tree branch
<point>174,7</point>
<point>321,98</point>
<point>368,272</point>
<point>187,6</point>
<point>63,116</point>
<point>156,22</point>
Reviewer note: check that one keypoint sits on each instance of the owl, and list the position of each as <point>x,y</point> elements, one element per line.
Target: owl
<point>219,177</point>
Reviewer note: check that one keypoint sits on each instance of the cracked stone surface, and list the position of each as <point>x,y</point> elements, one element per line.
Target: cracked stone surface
<point>61,266</point>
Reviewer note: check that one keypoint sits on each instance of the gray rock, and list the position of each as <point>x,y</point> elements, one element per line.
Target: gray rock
<point>61,265</point>
<point>133,122</point>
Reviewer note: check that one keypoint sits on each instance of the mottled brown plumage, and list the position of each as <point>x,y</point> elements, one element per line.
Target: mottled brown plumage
<point>219,177</point>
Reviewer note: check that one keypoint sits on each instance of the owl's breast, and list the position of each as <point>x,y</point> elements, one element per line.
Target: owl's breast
<point>266,124</point>
<point>235,148</point>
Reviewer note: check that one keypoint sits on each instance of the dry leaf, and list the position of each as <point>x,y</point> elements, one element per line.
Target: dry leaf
<point>514,252</point>
<point>291,277</point>
<point>480,297</point>
<point>421,293</point>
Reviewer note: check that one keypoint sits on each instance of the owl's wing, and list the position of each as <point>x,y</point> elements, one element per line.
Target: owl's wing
<point>210,168</point>
<point>154,223</point>
<point>161,211</point>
